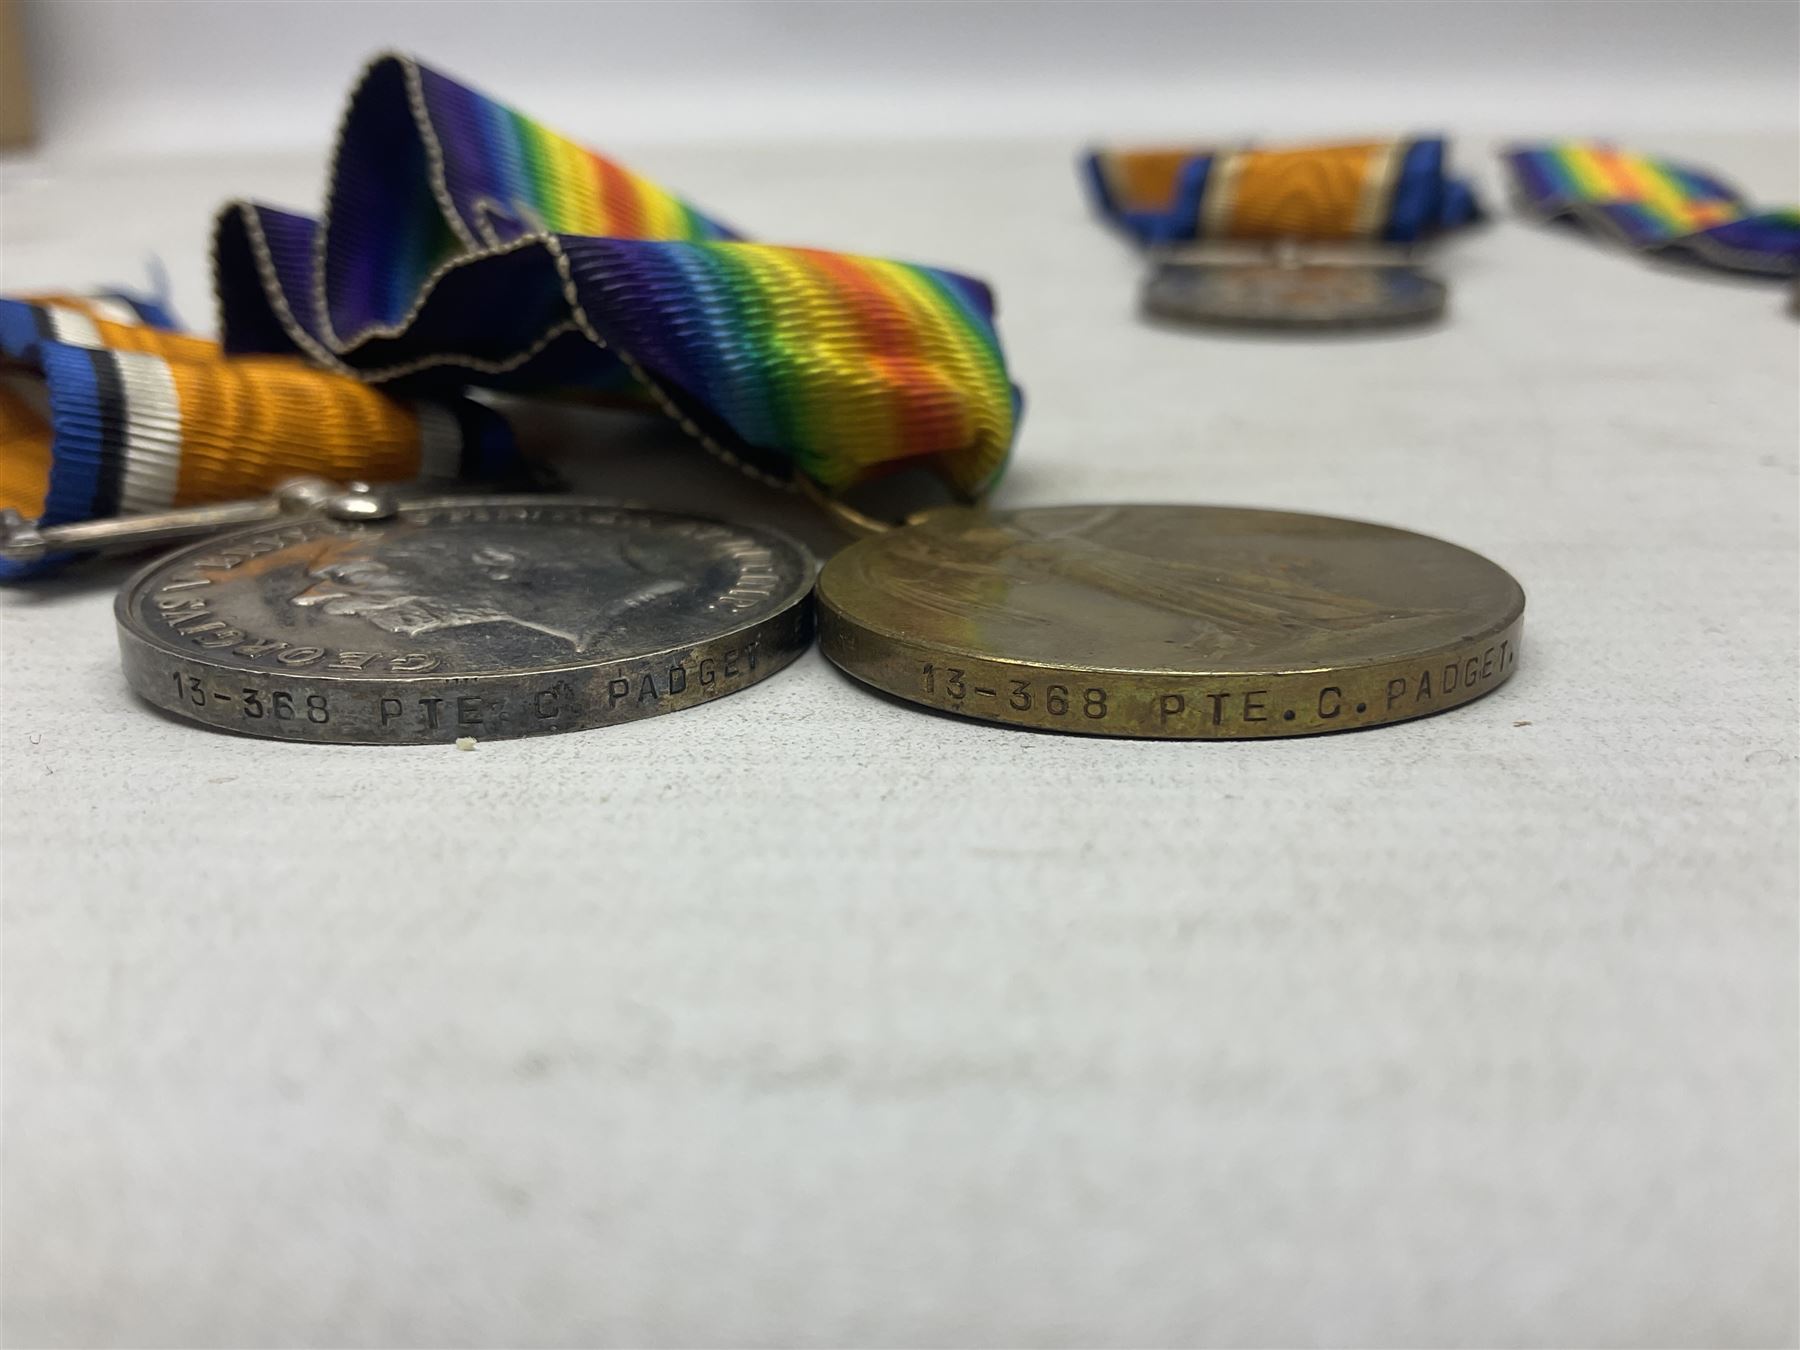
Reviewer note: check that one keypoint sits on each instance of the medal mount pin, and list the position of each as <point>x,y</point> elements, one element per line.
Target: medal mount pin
<point>1292,285</point>
<point>360,616</point>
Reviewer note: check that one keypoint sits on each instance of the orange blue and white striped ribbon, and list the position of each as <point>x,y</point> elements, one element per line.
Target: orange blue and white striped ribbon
<point>107,409</point>
<point>1385,191</point>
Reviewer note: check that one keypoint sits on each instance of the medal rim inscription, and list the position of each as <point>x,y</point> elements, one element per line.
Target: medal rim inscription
<point>1168,702</point>
<point>1158,304</point>
<point>582,702</point>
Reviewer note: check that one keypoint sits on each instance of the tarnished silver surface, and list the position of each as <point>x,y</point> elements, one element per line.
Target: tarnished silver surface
<point>485,617</point>
<point>1307,295</point>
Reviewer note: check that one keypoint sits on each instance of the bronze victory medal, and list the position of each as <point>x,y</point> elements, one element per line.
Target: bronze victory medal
<point>1173,621</point>
<point>482,617</point>
<point>1287,295</point>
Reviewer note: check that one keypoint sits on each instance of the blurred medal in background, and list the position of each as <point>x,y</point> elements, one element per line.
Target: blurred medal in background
<point>1310,238</point>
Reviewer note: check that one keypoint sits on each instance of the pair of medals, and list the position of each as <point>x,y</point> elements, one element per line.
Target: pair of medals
<point>361,617</point>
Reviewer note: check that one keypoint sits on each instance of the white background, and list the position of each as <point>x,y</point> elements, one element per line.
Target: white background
<point>809,1018</point>
<point>139,73</point>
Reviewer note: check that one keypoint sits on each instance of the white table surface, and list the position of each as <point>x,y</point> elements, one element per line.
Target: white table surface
<point>809,1018</point>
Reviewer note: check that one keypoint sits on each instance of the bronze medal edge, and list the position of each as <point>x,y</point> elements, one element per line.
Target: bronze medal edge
<point>1174,705</point>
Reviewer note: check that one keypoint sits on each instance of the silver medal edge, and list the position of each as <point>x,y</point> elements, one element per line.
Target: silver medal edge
<point>437,708</point>
<point>1429,310</point>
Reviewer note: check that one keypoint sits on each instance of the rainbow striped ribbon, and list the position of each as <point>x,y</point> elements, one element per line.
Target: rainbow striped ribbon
<point>1392,191</point>
<point>463,243</point>
<point>1653,205</point>
<point>105,408</point>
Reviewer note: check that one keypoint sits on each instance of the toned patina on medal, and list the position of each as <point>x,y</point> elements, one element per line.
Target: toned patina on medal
<point>435,620</point>
<point>1293,295</point>
<point>1170,621</point>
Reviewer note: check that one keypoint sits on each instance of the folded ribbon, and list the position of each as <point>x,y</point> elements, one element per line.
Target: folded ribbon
<point>463,242</point>
<point>1653,205</point>
<point>465,245</point>
<point>1393,191</point>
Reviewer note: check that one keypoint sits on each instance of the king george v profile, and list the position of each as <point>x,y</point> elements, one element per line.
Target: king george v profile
<point>576,588</point>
